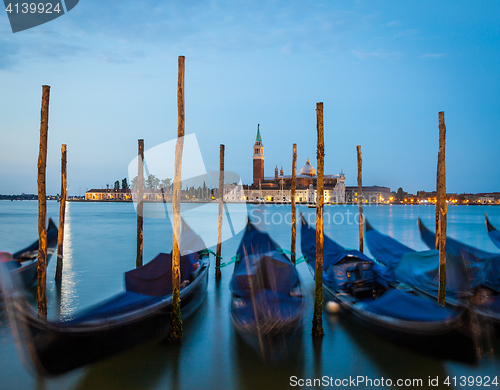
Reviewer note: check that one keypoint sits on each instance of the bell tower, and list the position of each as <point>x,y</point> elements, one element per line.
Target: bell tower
<point>258,159</point>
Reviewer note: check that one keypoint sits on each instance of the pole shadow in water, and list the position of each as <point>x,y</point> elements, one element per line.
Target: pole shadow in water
<point>317,344</point>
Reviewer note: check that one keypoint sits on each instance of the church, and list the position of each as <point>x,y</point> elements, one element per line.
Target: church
<point>277,188</point>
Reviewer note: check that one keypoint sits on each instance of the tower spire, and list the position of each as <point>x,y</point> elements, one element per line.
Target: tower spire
<point>258,158</point>
<point>258,138</point>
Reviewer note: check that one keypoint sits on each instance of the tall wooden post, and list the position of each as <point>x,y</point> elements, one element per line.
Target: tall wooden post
<point>221,204</point>
<point>175,333</point>
<point>62,213</point>
<point>42,206</point>
<point>294,216</point>
<point>360,198</point>
<point>442,211</point>
<point>317,329</point>
<point>438,200</point>
<point>140,202</point>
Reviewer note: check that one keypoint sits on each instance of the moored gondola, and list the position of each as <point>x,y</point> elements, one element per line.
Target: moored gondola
<point>140,313</point>
<point>23,263</point>
<point>266,296</point>
<point>482,270</point>
<point>493,233</point>
<point>360,286</point>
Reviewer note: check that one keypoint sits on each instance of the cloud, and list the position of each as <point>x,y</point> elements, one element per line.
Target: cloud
<point>433,55</point>
<point>393,23</point>
<point>365,56</point>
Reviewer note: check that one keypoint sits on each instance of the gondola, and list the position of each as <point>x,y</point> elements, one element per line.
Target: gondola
<point>482,270</point>
<point>357,283</point>
<point>266,295</point>
<point>140,313</point>
<point>493,233</point>
<point>23,263</point>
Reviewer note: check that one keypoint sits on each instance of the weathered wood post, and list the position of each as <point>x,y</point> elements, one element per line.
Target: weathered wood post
<point>438,201</point>
<point>360,198</point>
<point>294,216</point>
<point>42,206</point>
<point>175,333</point>
<point>442,211</point>
<point>219,224</point>
<point>62,213</point>
<point>140,202</point>
<point>317,329</point>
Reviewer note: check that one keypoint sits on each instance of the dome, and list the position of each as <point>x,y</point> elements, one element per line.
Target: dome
<point>308,169</point>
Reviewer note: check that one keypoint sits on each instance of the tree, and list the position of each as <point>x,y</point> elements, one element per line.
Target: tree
<point>152,182</point>
<point>117,185</point>
<point>166,183</point>
<point>133,183</point>
<point>124,184</point>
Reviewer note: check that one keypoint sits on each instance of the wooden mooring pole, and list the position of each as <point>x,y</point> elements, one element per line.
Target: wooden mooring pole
<point>442,211</point>
<point>62,213</point>
<point>175,333</point>
<point>42,206</point>
<point>438,199</point>
<point>140,202</point>
<point>294,214</point>
<point>360,198</point>
<point>219,224</point>
<point>317,329</point>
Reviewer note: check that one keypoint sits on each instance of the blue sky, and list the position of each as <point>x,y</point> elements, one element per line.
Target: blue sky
<point>383,69</point>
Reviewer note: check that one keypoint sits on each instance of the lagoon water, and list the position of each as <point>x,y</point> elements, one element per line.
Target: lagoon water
<point>100,246</point>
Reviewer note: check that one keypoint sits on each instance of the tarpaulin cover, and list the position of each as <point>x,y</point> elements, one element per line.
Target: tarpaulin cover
<point>385,249</point>
<point>405,306</point>
<point>495,237</point>
<point>492,305</point>
<point>421,269</point>
<point>119,304</point>
<point>155,277</point>
<point>261,267</point>
<point>333,253</point>
<point>278,307</point>
<point>472,257</point>
<point>452,245</point>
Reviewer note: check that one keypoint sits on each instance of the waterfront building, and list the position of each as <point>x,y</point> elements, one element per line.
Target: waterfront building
<point>108,194</point>
<point>371,194</point>
<point>278,188</point>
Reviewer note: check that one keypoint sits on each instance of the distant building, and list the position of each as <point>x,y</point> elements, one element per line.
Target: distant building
<point>107,194</point>
<point>372,194</point>
<point>278,188</point>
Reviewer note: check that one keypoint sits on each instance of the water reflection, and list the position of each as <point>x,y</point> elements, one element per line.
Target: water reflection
<point>138,368</point>
<point>393,361</point>
<point>69,293</point>
<point>211,355</point>
<point>254,373</point>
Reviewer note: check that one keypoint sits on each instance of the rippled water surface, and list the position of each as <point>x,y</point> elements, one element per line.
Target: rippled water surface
<point>100,245</point>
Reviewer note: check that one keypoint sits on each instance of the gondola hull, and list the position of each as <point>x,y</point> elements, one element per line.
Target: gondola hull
<point>56,348</point>
<point>398,314</point>
<point>444,339</point>
<point>266,297</point>
<point>27,258</point>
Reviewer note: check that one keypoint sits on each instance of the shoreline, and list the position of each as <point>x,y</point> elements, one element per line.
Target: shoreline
<point>255,203</point>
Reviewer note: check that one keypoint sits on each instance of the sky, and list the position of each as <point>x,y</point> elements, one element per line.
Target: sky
<point>383,69</point>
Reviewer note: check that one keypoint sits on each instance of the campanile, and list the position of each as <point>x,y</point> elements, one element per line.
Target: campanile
<point>258,159</point>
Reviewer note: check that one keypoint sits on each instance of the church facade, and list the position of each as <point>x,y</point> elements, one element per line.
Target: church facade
<point>277,188</point>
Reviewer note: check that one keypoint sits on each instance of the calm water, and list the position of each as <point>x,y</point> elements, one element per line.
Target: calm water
<point>100,246</point>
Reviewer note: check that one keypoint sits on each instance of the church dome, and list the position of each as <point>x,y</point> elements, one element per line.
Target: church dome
<point>308,169</point>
